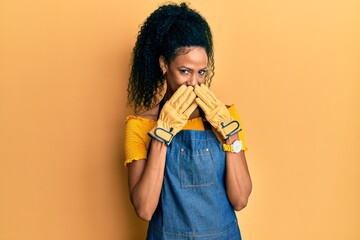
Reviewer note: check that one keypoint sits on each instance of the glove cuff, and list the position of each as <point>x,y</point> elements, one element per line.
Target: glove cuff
<point>162,135</point>
<point>230,128</point>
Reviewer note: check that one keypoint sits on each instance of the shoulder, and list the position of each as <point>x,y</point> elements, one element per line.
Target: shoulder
<point>232,110</point>
<point>141,123</point>
<point>150,114</point>
<point>146,116</point>
<point>136,134</point>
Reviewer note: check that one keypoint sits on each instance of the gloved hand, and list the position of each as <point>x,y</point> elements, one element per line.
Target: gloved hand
<point>216,112</point>
<point>174,114</point>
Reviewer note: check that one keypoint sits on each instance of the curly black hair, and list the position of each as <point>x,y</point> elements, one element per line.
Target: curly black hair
<point>165,32</point>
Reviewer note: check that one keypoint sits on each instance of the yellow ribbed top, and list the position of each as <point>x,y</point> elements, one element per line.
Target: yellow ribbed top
<point>137,139</point>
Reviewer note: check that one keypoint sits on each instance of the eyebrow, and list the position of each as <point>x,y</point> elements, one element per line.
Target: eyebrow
<point>182,66</point>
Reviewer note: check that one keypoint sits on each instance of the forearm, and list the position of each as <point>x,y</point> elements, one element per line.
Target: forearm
<point>145,193</point>
<point>238,181</point>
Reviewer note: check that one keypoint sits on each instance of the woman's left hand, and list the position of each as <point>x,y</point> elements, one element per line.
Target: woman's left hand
<point>216,112</point>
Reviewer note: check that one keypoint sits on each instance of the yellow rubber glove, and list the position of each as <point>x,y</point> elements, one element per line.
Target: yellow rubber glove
<point>216,112</point>
<point>174,114</point>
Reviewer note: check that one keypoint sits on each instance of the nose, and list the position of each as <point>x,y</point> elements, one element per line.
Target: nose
<point>193,80</point>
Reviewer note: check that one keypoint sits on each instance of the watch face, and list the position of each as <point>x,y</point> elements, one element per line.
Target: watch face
<point>237,146</point>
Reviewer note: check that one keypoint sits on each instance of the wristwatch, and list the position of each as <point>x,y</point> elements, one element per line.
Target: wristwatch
<point>235,147</point>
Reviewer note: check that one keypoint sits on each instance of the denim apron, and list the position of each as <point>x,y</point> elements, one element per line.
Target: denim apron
<point>193,202</point>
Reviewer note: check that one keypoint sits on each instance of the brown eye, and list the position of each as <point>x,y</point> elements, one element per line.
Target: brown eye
<point>184,71</point>
<point>202,72</point>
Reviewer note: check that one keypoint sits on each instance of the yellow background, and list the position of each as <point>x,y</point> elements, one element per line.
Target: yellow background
<point>291,67</point>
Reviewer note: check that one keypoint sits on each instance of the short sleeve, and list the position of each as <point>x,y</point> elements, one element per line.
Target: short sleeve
<point>236,116</point>
<point>136,138</point>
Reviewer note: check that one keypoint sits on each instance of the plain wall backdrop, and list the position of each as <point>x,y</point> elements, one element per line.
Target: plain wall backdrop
<point>292,68</point>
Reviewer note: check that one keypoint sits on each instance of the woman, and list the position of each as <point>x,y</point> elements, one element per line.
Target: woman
<point>185,154</point>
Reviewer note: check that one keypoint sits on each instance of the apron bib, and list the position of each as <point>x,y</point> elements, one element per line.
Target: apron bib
<point>193,202</point>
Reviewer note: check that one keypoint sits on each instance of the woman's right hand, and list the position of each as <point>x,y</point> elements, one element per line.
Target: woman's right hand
<point>174,114</point>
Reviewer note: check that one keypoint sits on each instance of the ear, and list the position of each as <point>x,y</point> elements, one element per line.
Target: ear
<point>163,64</point>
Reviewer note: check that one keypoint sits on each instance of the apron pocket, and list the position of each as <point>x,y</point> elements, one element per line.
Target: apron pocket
<point>196,168</point>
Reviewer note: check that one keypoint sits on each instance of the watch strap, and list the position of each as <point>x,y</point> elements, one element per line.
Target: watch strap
<point>227,147</point>
<point>235,147</point>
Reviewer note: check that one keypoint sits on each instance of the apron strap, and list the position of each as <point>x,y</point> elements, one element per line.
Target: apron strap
<point>207,125</point>
<point>161,104</point>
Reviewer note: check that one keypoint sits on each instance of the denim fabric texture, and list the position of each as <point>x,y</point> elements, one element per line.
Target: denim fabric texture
<point>193,202</point>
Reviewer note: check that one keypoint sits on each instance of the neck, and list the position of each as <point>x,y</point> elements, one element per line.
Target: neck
<point>195,114</point>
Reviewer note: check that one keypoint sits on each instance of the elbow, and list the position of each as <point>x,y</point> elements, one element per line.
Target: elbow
<point>143,214</point>
<point>240,204</point>
<point>144,208</point>
<point>143,211</point>
<point>242,201</point>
